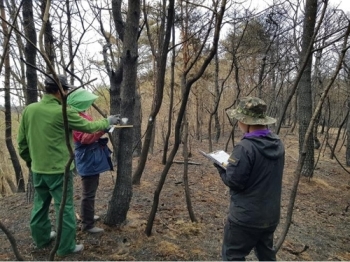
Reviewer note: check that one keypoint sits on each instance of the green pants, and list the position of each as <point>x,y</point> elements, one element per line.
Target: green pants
<point>48,186</point>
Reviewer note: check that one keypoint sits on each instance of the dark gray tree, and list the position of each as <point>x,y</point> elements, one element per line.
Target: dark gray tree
<point>30,52</point>
<point>160,53</point>
<point>308,133</point>
<point>304,88</point>
<point>120,202</point>
<point>48,36</point>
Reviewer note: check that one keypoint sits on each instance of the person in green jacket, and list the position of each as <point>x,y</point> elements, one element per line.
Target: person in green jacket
<point>42,145</point>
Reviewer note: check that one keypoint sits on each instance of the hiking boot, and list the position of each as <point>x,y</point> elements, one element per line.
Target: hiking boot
<point>78,248</point>
<point>95,230</point>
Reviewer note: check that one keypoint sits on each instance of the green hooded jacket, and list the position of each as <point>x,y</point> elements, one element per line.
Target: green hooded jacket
<point>41,136</point>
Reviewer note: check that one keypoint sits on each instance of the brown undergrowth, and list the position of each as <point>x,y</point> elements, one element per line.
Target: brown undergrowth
<point>320,228</point>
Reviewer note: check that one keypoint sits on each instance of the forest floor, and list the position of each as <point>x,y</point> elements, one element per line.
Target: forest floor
<point>320,228</point>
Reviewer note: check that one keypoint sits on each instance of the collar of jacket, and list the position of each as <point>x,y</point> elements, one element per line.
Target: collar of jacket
<point>49,98</point>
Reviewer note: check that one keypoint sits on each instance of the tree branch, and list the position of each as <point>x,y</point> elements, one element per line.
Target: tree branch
<point>12,241</point>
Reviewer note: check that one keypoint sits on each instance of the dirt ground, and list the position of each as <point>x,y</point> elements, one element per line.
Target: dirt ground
<point>320,228</point>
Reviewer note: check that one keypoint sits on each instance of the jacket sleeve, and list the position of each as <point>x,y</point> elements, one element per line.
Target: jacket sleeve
<point>22,142</point>
<point>238,170</point>
<point>78,123</point>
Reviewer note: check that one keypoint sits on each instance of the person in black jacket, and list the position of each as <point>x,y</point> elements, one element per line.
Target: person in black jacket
<point>254,176</point>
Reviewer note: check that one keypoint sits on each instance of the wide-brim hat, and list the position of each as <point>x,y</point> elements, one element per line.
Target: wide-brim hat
<point>81,99</point>
<point>251,111</point>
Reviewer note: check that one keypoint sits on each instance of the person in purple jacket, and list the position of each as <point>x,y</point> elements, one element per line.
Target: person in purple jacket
<point>254,176</point>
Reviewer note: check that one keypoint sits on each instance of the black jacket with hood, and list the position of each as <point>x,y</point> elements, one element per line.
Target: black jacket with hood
<point>254,176</point>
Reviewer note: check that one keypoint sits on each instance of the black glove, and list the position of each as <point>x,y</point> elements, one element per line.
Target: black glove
<point>220,169</point>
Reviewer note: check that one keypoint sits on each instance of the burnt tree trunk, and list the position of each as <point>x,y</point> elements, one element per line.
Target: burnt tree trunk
<point>304,88</point>
<point>120,202</point>
<point>161,60</point>
<point>30,52</point>
<point>171,98</point>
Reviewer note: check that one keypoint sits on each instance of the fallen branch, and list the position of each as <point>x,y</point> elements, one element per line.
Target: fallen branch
<point>189,162</point>
<point>12,241</point>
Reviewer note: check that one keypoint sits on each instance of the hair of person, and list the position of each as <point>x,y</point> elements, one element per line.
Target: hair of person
<point>53,89</point>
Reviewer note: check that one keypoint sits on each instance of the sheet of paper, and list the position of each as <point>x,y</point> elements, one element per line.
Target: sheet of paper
<point>219,157</point>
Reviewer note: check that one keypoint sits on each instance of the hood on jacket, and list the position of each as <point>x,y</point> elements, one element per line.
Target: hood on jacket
<point>81,99</point>
<point>270,145</point>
